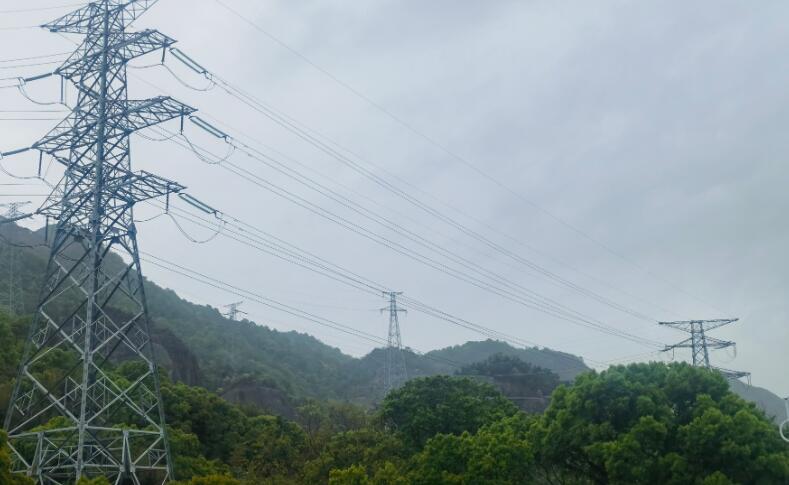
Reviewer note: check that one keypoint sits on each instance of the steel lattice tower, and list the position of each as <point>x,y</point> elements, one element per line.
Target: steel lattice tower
<point>11,259</point>
<point>233,311</point>
<point>13,209</point>
<point>700,343</point>
<point>395,373</point>
<point>14,293</point>
<point>101,414</point>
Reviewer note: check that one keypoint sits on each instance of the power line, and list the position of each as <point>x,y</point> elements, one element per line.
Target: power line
<point>41,9</point>
<point>274,304</point>
<point>33,58</point>
<point>283,168</point>
<point>35,64</point>
<point>440,146</point>
<point>529,299</point>
<point>24,27</point>
<point>309,261</point>
<point>385,183</point>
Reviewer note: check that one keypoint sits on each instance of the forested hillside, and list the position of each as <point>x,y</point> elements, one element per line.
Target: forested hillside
<point>641,424</point>
<point>281,408</point>
<point>249,363</point>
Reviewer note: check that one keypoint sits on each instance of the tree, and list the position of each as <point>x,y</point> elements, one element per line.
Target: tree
<point>358,475</point>
<point>428,406</point>
<point>372,450</point>
<point>210,480</point>
<point>498,454</point>
<point>656,424</point>
<point>516,378</point>
<point>6,478</point>
<point>188,459</point>
<point>273,452</point>
<point>322,420</point>
<point>219,425</point>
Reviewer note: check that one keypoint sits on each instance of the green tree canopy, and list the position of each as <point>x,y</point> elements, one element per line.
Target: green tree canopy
<point>498,454</point>
<point>428,406</point>
<point>372,450</point>
<point>657,424</point>
<point>528,384</point>
<point>6,478</point>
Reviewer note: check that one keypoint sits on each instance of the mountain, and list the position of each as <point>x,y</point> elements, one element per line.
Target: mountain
<point>253,364</point>
<point>773,406</point>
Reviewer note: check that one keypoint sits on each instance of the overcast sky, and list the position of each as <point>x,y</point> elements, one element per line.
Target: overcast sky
<point>655,130</point>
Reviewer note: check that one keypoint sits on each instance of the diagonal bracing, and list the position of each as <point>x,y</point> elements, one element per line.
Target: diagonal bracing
<point>86,402</point>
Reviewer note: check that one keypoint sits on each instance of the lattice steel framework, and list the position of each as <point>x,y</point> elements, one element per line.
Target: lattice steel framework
<point>10,261</point>
<point>395,373</point>
<point>700,343</point>
<point>87,402</point>
<point>12,209</point>
<point>233,311</point>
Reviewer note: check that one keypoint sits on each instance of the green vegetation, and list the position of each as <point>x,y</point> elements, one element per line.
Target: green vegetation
<point>255,365</point>
<point>640,424</point>
<point>274,408</point>
<point>426,407</point>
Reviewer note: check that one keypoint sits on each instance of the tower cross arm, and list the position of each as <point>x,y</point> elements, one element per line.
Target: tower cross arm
<point>732,374</point>
<point>685,344</point>
<point>124,117</point>
<point>143,185</point>
<point>129,46</point>
<point>714,343</point>
<point>81,21</point>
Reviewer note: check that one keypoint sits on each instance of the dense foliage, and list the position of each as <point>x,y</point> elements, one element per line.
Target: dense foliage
<point>426,407</point>
<point>640,424</point>
<point>528,385</point>
<point>657,424</point>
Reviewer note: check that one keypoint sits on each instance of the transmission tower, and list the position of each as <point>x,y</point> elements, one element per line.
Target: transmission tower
<point>104,415</point>
<point>12,209</point>
<point>395,373</point>
<point>233,311</point>
<point>700,343</point>
<point>11,261</point>
<point>14,293</point>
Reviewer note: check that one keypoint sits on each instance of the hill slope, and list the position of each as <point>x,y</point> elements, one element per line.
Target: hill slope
<point>251,363</point>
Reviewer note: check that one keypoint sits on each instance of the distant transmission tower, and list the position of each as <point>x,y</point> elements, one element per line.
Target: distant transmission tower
<point>13,209</point>
<point>11,261</point>
<point>395,373</point>
<point>104,417</point>
<point>233,311</point>
<point>700,343</point>
<point>14,291</point>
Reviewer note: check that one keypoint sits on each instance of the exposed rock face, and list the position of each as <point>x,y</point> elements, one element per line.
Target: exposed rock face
<point>772,405</point>
<point>252,393</point>
<point>173,355</point>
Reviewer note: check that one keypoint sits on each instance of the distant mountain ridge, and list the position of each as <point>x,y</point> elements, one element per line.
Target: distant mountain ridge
<point>253,364</point>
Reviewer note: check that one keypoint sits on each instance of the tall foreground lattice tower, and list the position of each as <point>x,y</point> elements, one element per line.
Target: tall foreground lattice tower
<point>87,402</point>
<point>395,373</point>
